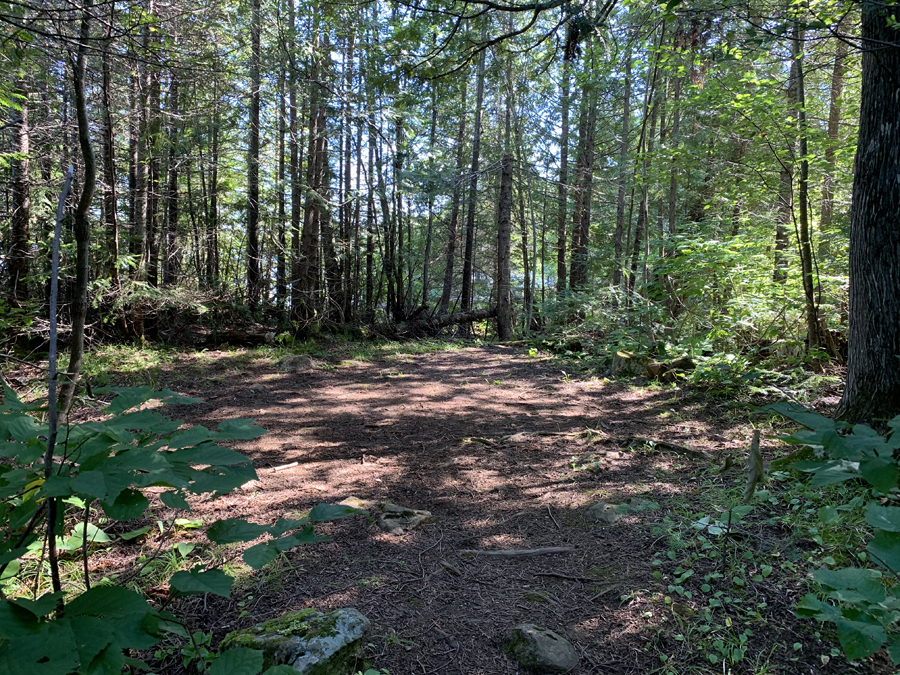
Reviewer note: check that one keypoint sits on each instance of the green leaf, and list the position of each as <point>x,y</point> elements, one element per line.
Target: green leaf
<point>287,670</point>
<point>325,512</point>
<point>238,661</point>
<point>134,534</point>
<point>234,530</point>
<point>828,515</point>
<point>883,517</point>
<point>802,416</point>
<point>131,397</point>
<point>198,581</point>
<point>92,636</point>
<point>174,500</point>
<point>16,621</point>
<point>209,454</point>
<point>190,437</point>
<point>260,555</point>
<point>129,504</point>
<point>893,651</point>
<point>51,652</point>
<point>94,533</point>
<point>859,639</point>
<point>239,429</point>
<point>112,602</point>
<point>880,472</point>
<point>43,606</point>
<point>100,485</point>
<point>110,662</point>
<point>885,548</point>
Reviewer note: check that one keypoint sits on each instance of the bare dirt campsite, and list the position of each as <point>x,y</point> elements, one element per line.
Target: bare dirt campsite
<point>508,450</point>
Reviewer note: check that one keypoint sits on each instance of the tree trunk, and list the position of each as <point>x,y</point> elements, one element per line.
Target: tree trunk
<point>81,225</point>
<point>619,236</point>
<point>172,261</point>
<point>504,238</point>
<point>253,278</point>
<point>786,190</point>
<point>468,257</point>
<point>561,190</point>
<point>110,198</point>
<point>453,227</point>
<point>21,212</point>
<point>834,124</point>
<point>872,390</point>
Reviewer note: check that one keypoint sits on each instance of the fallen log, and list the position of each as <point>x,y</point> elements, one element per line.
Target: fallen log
<point>433,324</point>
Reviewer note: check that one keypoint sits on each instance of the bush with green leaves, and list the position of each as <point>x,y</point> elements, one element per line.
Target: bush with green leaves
<point>863,603</point>
<point>113,462</point>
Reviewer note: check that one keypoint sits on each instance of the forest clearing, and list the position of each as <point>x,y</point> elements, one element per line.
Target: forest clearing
<point>449,336</point>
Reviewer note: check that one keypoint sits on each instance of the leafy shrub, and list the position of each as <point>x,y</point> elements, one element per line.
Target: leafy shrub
<point>862,602</point>
<point>112,462</point>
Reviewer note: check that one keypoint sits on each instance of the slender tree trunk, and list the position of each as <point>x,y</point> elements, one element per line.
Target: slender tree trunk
<point>456,198</point>
<point>618,237</point>
<point>504,238</point>
<point>468,257</point>
<point>21,210</point>
<point>834,125</point>
<point>581,216</point>
<point>872,390</point>
<point>803,234</point>
<point>110,197</point>
<point>426,263</point>
<point>172,261</point>
<point>562,189</point>
<point>81,224</point>
<point>253,259</point>
<point>785,213</point>
<point>281,253</point>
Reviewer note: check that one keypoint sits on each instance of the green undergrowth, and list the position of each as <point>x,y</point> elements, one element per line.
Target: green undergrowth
<point>736,584</point>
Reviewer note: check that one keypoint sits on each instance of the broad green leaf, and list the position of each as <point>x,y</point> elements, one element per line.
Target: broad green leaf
<point>131,397</point>
<point>190,437</point>
<point>238,661</point>
<point>260,555</point>
<point>57,486</point>
<point>883,517</point>
<point>129,504</point>
<point>43,606</point>
<point>234,530</point>
<point>112,602</point>
<point>893,651</point>
<point>16,621</point>
<point>858,639</point>
<point>880,472</point>
<point>109,662</point>
<point>802,416</point>
<point>94,533</point>
<point>239,429</point>
<point>92,636</point>
<point>51,652</point>
<point>134,534</point>
<point>325,512</point>
<point>174,500</point>
<point>198,581</point>
<point>885,548</point>
<point>210,454</point>
<point>285,670</point>
<point>100,485</point>
<point>828,514</point>
<point>283,525</point>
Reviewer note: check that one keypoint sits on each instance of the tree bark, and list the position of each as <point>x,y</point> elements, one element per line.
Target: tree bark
<point>834,124</point>
<point>562,188</point>
<point>456,198</point>
<point>468,257</point>
<point>504,239</point>
<point>110,197</point>
<point>81,225</point>
<point>172,262</point>
<point>21,212</point>
<point>872,390</point>
<point>253,278</point>
<point>619,237</point>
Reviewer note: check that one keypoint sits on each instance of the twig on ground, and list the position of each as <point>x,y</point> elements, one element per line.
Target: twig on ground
<point>519,552</point>
<point>552,518</point>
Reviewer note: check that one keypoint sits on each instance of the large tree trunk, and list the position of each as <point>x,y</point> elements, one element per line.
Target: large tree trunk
<point>872,391</point>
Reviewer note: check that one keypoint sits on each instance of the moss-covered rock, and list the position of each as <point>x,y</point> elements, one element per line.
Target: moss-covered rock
<point>540,650</point>
<point>309,641</point>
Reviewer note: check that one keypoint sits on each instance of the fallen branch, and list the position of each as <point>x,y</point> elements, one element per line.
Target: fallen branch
<point>434,324</point>
<point>663,445</point>
<point>518,552</point>
<point>557,575</point>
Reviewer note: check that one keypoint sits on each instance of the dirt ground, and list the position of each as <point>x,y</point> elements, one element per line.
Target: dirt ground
<point>485,439</point>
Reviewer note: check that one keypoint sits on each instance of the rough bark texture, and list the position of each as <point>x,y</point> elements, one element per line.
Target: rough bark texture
<point>21,213</point>
<point>453,226</point>
<point>504,237</point>
<point>466,302</point>
<point>253,285</point>
<point>872,391</point>
<point>619,236</point>
<point>562,197</point>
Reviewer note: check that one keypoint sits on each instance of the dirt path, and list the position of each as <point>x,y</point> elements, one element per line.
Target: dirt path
<point>484,438</point>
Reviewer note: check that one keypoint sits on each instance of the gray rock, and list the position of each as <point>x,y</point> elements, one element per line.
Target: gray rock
<point>308,641</point>
<point>540,650</point>
<point>295,363</point>
<point>397,519</point>
<point>604,513</point>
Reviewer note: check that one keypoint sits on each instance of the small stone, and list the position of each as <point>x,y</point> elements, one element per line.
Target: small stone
<point>604,513</point>
<point>540,650</point>
<point>398,519</point>
<point>310,642</point>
